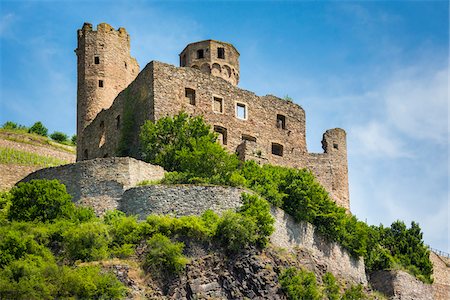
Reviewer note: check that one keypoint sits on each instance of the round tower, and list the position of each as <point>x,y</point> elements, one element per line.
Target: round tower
<point>212,57</point>
<point>105,68</point>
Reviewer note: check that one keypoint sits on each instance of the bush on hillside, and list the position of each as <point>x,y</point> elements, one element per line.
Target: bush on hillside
<point>74,139</point>
<point>300,284</point>
<point>59,137</point>
<point>38,128</point>
<point>164,256</point>
<point>40,200</point>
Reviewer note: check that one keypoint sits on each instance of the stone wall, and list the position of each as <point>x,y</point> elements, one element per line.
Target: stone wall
<point>100,183</point>
<point>179,200</point>
<point>441,276</point>
<point>290,235</point>
<point>399,285</point>
<point>105,68</point>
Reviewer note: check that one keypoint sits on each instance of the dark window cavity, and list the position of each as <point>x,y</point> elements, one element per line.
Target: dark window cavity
<point>221,53</point>
<point>277,149</point>
<point>102,124</point>
<point>281,121</point>
<point>85,154</point>
<point>190,95</point>
<point>246,137</point>
<point>96,60</point>
<point>222,131</point>
<point>218,105</point>
<point>200,53</point>
<point>118,122</point>
<point>100,83</point>
<point>335,146</point>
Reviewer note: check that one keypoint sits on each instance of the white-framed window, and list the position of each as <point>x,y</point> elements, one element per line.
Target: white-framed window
<point>241,111</point>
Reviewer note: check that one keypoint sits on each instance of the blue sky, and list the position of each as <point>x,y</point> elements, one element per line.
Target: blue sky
<point>377,69</point>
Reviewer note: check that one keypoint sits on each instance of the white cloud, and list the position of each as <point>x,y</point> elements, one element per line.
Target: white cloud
<point>5,23</point>
<point>417,104</point>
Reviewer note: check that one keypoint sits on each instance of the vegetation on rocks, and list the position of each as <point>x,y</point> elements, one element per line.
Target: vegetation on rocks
<point>174,143</point>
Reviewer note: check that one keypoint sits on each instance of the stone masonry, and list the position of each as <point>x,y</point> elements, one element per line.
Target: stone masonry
<point>110,183</point>
<point>265,128</point>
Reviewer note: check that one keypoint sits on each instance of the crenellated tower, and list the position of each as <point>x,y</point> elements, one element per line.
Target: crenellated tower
<point>212,57</point>
<point>105,68</point>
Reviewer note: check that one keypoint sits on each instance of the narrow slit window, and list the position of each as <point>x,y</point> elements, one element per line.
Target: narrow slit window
<point>241,111</point>
<point>190,95</point>
<point>218,105</point>
<point>96,60</point>
<point>85,154</point>
<point>200,53</point>
<point>221,53</point>
<point>281,122</point>
<point>100,83</point>
<point>222,131</point>
<point>246,137</point>
<point>336,146</point>
<point>277,149</point>
<point>118,122</point>
<point>126,66</point>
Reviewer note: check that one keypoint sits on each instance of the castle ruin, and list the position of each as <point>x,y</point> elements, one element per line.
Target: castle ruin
<point>114,99</point>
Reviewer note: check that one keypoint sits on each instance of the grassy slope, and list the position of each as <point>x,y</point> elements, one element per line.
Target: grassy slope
<point>22,153</point>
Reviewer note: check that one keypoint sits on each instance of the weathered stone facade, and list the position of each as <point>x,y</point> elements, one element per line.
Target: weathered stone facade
<point>267,129</point>
<point>441,276</point>
<point>105,68</point>
<point>399,285</point>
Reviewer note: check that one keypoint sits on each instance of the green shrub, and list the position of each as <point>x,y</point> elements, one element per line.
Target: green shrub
<point>355,292</point>
<point>59,136</point>
<point>331,287</point>
<point>10,125</point>
<point>86,242</point>
<point>38,128</point>
<point>299,284</point>
<point>74,139</point>
<point>5,203</point>
<point>123,229</point>
<point>259,210</point>
<point>236,232</point>
<point>164,255</point>
<point>40,200</point>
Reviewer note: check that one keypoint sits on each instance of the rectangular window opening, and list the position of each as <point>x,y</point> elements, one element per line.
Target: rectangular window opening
<point>218,105</point>
<point>200,54</point>
<point>241,111</point>
<point>221,53</point>
<point>96,60</point>
<point>100,83</point>
<point>190,95</point>
<point>222,131</point>
<point>277,149</point>
<point>281,121</point>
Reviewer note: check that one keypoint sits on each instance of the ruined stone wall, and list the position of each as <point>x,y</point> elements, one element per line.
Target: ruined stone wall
<point>105,68</point>
<point>441,276</point>
<point>399,285</point>
<point>260,122</point>
<point>100,183</point>
<point>115,131</point>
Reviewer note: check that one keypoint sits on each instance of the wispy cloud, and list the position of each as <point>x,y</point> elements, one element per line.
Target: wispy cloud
<point>6,22</point>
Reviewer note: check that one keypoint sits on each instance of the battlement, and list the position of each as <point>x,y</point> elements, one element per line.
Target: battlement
<point>102,28</point>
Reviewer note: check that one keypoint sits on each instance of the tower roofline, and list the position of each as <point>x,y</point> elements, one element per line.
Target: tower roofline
<point>210,40</point>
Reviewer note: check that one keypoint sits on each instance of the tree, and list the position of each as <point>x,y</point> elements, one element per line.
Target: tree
<point>59,136</point>
<point>186,144</point>
<point>74,139</point>
<point>38,128</point>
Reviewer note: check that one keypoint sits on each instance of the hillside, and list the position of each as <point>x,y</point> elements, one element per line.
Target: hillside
<point>22,153</point>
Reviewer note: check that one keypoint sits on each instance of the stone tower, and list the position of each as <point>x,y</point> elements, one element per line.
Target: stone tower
<point>105,68</point>
<point>212,57</point>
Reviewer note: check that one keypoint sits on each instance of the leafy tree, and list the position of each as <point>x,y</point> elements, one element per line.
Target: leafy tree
<point>59,136</point>
<point>40,200</point>
<point>38,128</point>
<point>236,232</point>
<point>300,284</point>
<point>164,255</point>
<point>331,287</point>
<point>10,125</point>
<point>74,139</point>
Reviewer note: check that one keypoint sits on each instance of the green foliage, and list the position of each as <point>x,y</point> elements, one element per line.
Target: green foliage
<point>236,232</point>
<point>9,125</point>
<point>164,255</point>
<point>59,136</point>
<point>40,200</point>
<point>14,156</point>
<point>355,292</point>
<point>187,145</point>
<point>74,139</point>
<point>5,203</point>
<point>258,209</point>
<point>331,287</point>
<point>299,284</point>
<point>86,242</point>
<point>38,128</point>
<point>288,99</point>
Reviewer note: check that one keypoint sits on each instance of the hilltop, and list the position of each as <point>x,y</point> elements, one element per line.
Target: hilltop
<point>22,153</point>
